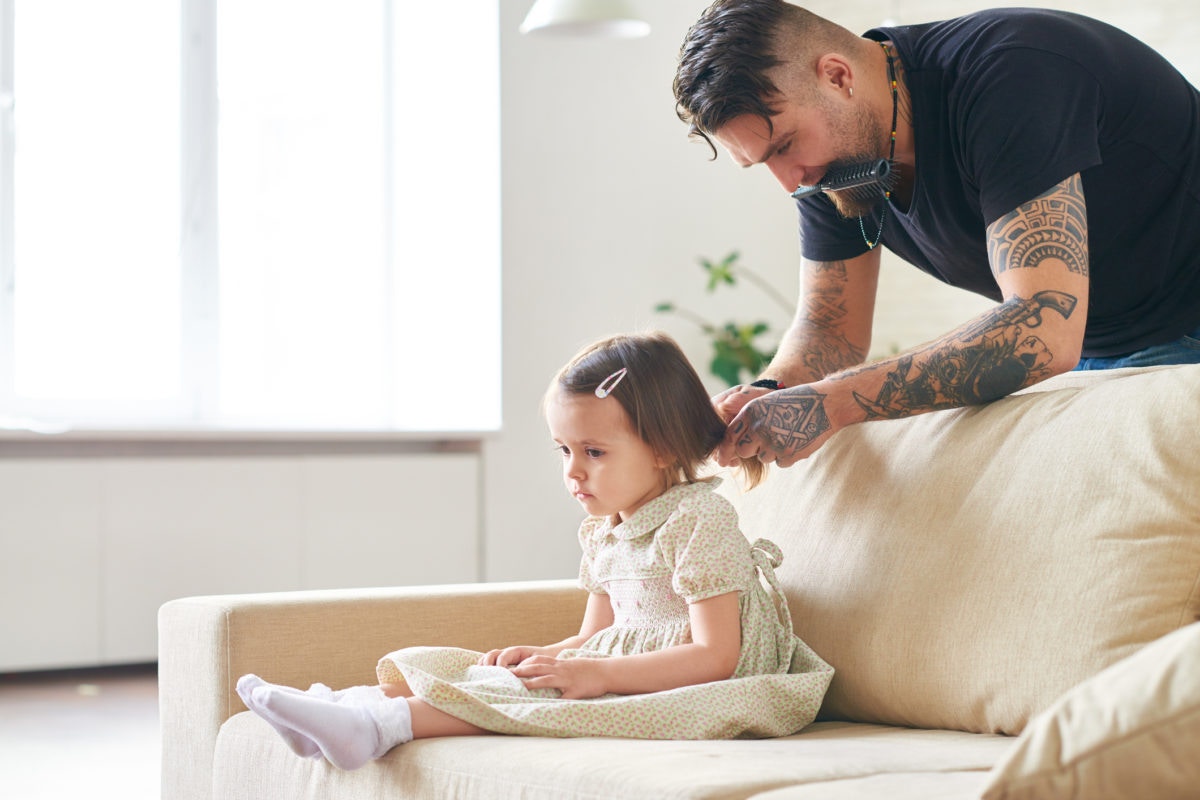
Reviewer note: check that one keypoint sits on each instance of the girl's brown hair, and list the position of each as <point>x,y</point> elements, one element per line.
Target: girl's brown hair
<point>662,395</point>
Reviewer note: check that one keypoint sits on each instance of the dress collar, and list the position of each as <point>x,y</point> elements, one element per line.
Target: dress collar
<point>651,516</point>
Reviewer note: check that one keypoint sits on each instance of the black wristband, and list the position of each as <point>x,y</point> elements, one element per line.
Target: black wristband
<point>767,383</point>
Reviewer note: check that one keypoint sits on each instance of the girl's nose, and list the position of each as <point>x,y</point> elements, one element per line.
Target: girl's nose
<point>573,468</point>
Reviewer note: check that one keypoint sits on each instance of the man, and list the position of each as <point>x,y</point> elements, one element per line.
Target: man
<point>1042,159</point>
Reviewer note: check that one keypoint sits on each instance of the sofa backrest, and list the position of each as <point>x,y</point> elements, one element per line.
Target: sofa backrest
<point>962,569</point>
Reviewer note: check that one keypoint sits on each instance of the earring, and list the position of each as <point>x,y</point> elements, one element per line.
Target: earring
<point>851,91</point>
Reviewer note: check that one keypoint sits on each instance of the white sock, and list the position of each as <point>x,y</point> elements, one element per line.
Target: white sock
<point>358,695</point>
<point>300,745</point>
<point>348,734</point>
<point>248,683</point>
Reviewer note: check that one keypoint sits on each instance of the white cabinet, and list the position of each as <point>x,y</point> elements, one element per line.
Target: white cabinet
<point>91,547</point>
<point>49,563</point>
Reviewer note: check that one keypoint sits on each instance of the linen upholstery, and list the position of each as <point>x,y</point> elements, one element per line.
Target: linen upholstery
<point>960,569</point>
<point>532,768</point>
<point>1130,731</point>
<point>298,638</point>
<point>954,785</point>
<point>963,569</point>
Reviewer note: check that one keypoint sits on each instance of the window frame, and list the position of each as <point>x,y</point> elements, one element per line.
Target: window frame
<point>195,412</point>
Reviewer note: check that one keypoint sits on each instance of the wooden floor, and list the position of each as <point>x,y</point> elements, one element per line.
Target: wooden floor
<point>80,734</point>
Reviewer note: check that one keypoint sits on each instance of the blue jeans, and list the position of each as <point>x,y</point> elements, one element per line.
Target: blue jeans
<point>1185,350</point>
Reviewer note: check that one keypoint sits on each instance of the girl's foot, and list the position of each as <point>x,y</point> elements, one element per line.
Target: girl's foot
<point>349,735</point>
<point>299,744</point>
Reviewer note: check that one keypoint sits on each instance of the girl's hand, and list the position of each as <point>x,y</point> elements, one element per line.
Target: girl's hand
<point>599,615</point>
<point>576,678</point>
<point>509,656</point>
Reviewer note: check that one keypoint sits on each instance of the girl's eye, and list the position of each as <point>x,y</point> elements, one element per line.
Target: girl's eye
<point>590,452</point>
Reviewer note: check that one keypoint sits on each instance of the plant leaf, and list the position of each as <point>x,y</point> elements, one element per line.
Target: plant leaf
<point>720,272</point>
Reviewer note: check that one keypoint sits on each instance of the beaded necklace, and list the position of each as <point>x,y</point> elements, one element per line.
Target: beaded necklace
<point>887,193</point>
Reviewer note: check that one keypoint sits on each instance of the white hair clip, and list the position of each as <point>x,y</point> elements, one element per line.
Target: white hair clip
<point>608,384</point>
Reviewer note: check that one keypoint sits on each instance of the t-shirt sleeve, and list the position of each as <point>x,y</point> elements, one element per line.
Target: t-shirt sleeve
<point>825,235</point>
<point>711,555</point>
<point>1028,119</point>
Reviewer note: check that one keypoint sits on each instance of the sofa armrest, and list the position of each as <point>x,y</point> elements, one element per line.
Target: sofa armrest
<point>336,637</point>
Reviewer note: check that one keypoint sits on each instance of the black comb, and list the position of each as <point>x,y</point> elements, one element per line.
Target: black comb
<point>861,181</point>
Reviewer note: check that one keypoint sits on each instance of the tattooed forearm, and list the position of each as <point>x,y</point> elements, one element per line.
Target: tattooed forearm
<point>1053,225</point>
<point>984,361</point>
<point>787,420</point>
<point>824,353</point>
<point>824,308</point>
<point>823,347</point>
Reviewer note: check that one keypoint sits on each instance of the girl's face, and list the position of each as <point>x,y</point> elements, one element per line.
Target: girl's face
<point>606,466</point>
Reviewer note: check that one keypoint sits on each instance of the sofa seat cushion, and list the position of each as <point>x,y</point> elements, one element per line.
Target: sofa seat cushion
<point>962,569</point>
<point>964,785</point>
<point>252,762</point>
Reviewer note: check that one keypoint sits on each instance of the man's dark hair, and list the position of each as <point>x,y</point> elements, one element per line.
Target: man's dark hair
<point>723,65</point>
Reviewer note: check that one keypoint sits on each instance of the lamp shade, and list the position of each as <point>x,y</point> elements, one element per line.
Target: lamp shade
<point>601,18</point>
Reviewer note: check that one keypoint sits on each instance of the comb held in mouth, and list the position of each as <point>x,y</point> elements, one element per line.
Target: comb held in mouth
<point>862,181</point>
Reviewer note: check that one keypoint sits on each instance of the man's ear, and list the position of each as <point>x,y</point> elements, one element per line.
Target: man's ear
<point>834,70</point>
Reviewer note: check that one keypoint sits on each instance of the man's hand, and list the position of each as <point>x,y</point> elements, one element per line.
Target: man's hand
<point>784,426</point>
<point>576,678</point>
<point>729,402</point>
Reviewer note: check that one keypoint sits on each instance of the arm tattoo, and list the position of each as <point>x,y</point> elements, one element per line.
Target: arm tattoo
<point>787,420</point>
<point>826,349</point>
<point>1053,225</point>
<point>984,361</point>
<point>825,352</point>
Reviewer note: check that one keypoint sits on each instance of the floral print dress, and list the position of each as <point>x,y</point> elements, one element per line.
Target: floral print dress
<point>682,547</point>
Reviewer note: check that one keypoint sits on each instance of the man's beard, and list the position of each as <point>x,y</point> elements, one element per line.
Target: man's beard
<point>860,132</point>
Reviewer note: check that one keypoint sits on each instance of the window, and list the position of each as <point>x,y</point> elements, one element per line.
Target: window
<point>278,214</point>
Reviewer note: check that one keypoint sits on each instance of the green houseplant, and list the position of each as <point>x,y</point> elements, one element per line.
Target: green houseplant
<point>739,350</point>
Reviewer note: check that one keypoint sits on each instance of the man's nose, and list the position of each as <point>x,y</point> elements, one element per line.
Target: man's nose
<point>789,175</point>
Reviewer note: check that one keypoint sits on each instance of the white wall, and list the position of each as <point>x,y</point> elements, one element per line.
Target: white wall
<point>607,206</point>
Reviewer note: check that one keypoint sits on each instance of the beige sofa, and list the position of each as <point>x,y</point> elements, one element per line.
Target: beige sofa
<point>1009,594</point>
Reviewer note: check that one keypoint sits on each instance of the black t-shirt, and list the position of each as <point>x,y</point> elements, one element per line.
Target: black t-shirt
<point>1008,103</point>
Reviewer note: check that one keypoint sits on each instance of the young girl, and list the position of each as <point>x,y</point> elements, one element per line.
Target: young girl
<point>680,638</point>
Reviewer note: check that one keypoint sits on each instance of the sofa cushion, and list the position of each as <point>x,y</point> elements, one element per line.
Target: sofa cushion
<point>964,568</point>
<point>252,763</point>
<point>1130,731</point>
<point>892,786</point>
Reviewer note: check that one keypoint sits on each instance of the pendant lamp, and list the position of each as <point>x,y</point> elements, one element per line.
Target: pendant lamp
<point>598,18</point>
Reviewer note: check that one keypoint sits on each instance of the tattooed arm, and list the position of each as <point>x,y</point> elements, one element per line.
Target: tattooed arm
<point>1038,254</point>
<point>831,331</point>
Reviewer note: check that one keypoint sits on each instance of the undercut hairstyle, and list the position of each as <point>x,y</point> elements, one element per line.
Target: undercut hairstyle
<point>662,396</point>
<point>726,58</point>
